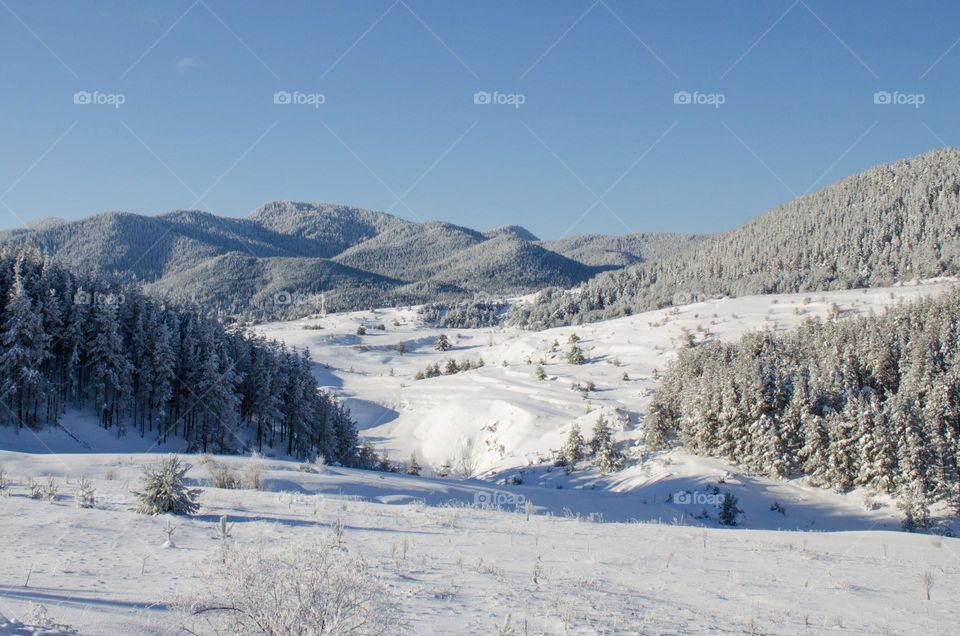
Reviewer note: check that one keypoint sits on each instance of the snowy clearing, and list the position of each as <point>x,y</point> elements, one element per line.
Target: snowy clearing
<point>454,568</point>
<point>560,552</point>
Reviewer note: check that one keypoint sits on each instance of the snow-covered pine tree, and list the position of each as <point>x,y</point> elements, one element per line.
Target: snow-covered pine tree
<point>574,450</point>
<point>24,352</point>
<point>164,489</point>
<point>413,468</point>
<point>606,456</point>
<point>158,374</point>
<point>110,367</point>
<point>729,512</point>
<point>85,495</point>
<point>442,343</point>
<point>575,355</point>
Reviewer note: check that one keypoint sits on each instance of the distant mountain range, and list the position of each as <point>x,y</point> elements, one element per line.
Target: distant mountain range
<point>277,262</point>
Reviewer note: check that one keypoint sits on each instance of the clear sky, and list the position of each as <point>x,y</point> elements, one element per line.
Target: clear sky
<point>583,133</point>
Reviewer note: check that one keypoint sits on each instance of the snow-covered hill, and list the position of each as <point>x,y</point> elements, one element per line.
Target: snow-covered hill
<point>501,422</point>
<point>557,552</point>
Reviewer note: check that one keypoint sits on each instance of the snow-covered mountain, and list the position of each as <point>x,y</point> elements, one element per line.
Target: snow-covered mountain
<point>357,258</point>
<point>890,223</point>
<point>723,461</point>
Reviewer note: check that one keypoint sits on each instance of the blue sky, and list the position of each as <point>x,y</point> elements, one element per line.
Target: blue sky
<point>597,145</point>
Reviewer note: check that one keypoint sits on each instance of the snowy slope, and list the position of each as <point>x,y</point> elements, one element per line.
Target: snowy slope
<point>454,568</point>
<point>500,421</point>
<point>577,553</point>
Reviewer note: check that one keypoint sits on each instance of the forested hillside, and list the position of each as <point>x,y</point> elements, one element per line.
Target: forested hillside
<point>71,341</point>
<point>616,251</point>
<point>252,268</point>
<point>871,402</point>
<point>258,288</point>
<point>893,222</point>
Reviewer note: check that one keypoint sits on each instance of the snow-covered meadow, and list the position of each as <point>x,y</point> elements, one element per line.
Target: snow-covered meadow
<point>564,552</point>
<point>501,421</point>
<point>450,567</point>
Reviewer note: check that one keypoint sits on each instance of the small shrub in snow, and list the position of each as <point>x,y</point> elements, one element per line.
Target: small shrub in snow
<point>252,477</point>
<point>222,475</point>
<point>169,530</point>
<point>164,489</point>
<point>537,571</point>
<point>36,490</point>
<point>304,589</point>
<point>4,484</point>
<point>85,494</point>
<point>320,463</point>
<point>38,623</point>
<point>338,531</point>
<point>413,468</point>
<point>926,580</point>
<point>50,490</point>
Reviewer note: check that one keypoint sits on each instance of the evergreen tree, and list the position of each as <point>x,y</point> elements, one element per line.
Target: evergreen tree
<point>109,367</point>
<point>729,512</point>
<point>442,343</point>
<point>164,489</point>
<point>604,449</point>
<point>24,352</point>
<point>574,450</point>
<point>414,467</point>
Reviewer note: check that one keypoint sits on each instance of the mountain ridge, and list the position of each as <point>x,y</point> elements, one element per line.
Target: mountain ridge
<point>359,258</point>
<point>891,222</point>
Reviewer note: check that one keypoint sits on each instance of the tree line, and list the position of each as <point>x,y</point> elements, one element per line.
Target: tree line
<point>74,341</point>
<point>868,402</point>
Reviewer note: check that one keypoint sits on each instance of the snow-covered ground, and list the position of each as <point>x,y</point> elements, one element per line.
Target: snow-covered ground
<point>566,553</point>
<point>501,416</point>
<point>500,422</point>
<point>453,568</point>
